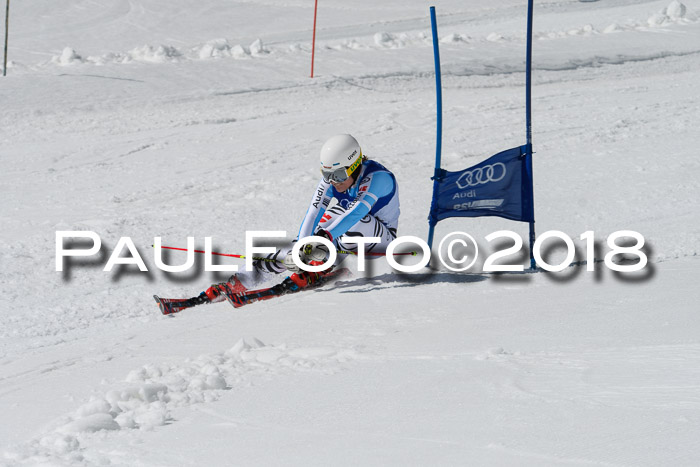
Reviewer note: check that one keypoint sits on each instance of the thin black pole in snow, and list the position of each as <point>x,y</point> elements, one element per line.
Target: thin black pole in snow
<point>7,26</point>
<point>528,127</point>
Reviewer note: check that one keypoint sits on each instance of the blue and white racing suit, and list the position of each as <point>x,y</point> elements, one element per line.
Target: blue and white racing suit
<point>369,208</point>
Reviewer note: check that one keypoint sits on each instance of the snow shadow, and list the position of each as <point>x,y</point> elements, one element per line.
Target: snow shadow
<point>580,264</point>
<point>397,280</point>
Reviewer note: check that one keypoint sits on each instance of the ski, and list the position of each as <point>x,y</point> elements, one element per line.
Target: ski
<point>285,287</point>
<point>169,306</point>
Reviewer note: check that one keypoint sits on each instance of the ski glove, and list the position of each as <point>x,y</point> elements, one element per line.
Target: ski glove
<point>317,251</point>
<point>312,252</point>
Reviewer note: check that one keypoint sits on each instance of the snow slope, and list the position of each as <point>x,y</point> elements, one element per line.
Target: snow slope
<point>151,118</point>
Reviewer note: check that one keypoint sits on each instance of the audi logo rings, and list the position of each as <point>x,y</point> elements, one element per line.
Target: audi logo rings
<point>482,175</point>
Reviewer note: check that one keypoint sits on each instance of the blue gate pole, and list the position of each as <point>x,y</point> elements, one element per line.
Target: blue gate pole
<point>7,28</point>
<point>438,147</point>
<point>528,125</point>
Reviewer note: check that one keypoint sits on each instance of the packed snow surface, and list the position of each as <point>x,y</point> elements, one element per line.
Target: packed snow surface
<point>175,118</point>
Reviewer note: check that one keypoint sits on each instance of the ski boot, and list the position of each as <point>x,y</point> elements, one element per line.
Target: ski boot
<point>215,293</point>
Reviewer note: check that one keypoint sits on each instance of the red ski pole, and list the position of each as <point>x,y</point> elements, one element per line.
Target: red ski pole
<point>342,252</point>
<point>221,254</point>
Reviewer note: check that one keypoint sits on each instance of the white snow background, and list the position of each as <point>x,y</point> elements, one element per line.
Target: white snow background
<point>147,118</point>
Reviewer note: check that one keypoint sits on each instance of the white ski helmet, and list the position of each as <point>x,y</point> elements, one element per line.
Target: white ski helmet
<point>340,157</point>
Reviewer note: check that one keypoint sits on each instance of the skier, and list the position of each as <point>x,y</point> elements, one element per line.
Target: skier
<point>366,204</point>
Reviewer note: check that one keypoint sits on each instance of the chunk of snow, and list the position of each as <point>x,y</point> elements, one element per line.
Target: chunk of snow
<point>612,28</point>
<point>384,39</point>
<point>214,49</point>
<point>152,392</point>
<point>90,424</point>
<point>67,57</point>
<point>216,381</point>
<point>239,52</point>
<point>93,407</point>
<point>126,420</point>
<point>675,10</point>
<point>157,416</point>
<point>155,54</point>
<point>257,48</point>
<point>451,38</point>
<point>236,350</point>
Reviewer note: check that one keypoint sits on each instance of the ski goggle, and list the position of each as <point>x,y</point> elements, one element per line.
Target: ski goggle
<point>340,174</point>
